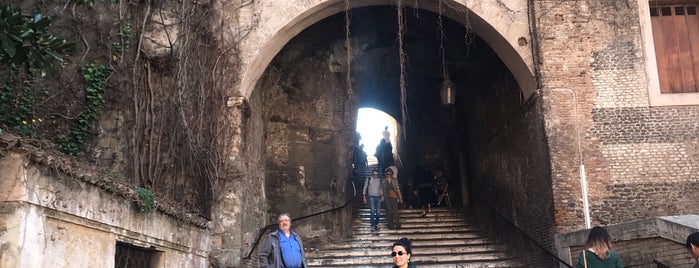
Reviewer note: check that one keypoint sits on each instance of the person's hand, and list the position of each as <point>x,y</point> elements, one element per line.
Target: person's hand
<point>414,192</point>
<point>381,198</point>
<point>400,201</point>
<point>365,200</point>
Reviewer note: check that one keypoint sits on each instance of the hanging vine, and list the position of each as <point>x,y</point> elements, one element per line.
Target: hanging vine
<point>402,58</point>
<point>182,135</point>
<point>442,52</point>
<point>348,46</point>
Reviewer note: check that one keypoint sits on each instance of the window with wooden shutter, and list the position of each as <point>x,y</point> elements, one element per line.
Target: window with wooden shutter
<point>676,38</point>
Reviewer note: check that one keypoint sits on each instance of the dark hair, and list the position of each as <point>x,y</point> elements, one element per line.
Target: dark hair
<point>598,239</point>
<point>405,243</point>
<point>693,239</point>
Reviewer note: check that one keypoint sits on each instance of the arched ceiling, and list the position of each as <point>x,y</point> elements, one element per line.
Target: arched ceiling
<point>504,25</point>
<point>375,71</point>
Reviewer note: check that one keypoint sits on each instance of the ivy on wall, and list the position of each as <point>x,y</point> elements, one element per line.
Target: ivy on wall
<point>162,99</point>
<point>96,78</point>
<point>146,199</point>
<point>29,51</point>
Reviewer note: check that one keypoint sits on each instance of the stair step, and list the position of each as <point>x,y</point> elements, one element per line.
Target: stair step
<point>413,230</point>
<point>421,220</point>
<point>407,211</point>
<point>395,236</point>
<point>477,264</point>
<point>421,251</point>
<point>386,244</point>
<point>385,258</point>
<point>441,238</point>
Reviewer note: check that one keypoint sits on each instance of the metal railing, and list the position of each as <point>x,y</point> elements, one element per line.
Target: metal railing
<point>529,240</point>
<point>660,264</point>
<point>262,230</point>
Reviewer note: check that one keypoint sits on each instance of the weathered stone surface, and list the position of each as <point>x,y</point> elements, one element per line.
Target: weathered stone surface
<point>58,220</point>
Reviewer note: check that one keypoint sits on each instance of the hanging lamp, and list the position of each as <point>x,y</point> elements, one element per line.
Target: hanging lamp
<point>447,91</point>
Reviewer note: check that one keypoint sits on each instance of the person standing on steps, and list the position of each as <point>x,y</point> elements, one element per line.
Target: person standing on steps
<point>401,251</point>
<point>440,183</point>
<point>395,197</point>
<point>374,189</point>
<point>598,252</point>
<point>422,187</point>
<point>283,248</point>
<point>379,154</point>
<point>386,134</point>
<point>387,154</point>
<point>359,162</point>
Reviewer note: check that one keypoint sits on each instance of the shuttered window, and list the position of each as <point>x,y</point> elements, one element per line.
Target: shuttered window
<point>676,39</point>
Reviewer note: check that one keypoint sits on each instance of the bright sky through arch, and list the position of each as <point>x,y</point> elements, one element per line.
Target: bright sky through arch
<point>370,124</point>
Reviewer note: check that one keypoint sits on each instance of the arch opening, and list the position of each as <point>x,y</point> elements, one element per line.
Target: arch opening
<point>370,126</point>
<point>517,58</point>
<point>309,121</point>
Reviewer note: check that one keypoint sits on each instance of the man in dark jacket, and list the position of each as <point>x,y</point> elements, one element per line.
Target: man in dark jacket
<point>283,247</point>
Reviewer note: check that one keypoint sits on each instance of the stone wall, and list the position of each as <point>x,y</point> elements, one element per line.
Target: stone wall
<point>308,123</point>
<point>51,219</point>
<point>512,172</point>
<point>640,161</point>
<point>241,213</point>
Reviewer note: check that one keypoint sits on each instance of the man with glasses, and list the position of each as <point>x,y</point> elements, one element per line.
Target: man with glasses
<point>374,187</point>
<point>283,248</point>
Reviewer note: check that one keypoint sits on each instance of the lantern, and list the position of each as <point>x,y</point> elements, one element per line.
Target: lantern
<point>447,91</point>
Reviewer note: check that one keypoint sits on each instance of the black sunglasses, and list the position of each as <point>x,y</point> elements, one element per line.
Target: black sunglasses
<point>400,253</point>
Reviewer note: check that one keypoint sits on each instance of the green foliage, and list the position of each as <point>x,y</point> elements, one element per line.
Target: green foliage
<point>18,96</point>
<point>114,173</point>
<point>96,78</point>
<point>125,34</point>
<point>146,199</point>
<point>25,41</point>
<point>28,50</point>
<point>88,3</point>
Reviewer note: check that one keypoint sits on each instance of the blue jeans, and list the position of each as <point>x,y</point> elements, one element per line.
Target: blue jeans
<point>374,209</point>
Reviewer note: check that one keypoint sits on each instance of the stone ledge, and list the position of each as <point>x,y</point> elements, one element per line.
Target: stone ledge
<point>674,228</point>
<point>70,166</point>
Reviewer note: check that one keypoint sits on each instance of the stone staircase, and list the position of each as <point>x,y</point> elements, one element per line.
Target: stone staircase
<point>441,238</point>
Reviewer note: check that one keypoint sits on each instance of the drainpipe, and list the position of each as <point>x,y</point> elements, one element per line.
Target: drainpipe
<point>533,33</point>
<point>583,179</point>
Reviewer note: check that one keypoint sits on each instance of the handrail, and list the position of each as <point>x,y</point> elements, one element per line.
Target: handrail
<point>525,234</point>
<point>262,230</point>
<point>660,264</point>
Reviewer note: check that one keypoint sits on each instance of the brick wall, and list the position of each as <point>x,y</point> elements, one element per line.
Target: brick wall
<point>640,161</point>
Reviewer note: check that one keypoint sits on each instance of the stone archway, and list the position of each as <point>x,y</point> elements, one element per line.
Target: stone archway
<point>272,25</point>
<point>503,25</point>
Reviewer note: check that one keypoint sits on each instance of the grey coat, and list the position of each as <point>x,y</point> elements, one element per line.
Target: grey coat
<point>271,255</point>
